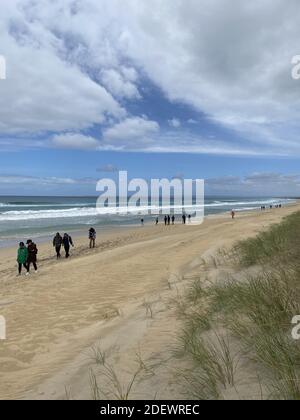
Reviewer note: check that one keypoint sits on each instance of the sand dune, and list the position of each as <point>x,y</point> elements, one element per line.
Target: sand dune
<point>56,316</point>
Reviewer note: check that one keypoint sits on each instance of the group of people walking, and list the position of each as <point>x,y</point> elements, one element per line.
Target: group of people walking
<point>168,220</point>
<point>62,241</point>
<point>277,206</point>
<point>27,256</point>
<point>66,242</point>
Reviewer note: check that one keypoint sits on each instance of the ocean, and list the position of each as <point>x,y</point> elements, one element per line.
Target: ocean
<point>39,218</point>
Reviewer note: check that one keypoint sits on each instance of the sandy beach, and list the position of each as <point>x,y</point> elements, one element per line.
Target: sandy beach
<point>119,294</point>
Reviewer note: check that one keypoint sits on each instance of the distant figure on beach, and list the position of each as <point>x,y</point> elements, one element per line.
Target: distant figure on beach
<point>92,237</point>
<point>142,222</point>
<point>67,242</point>
<point>157,221</point>
<point>169,220</point>
<point>190,218</point>
<point>57,243</point>
<point>173,220</point>
<point>166,220</point>
<point>184,219</point>
<point>22,257</point>
<point>233,214</point>
<point>32,256</point>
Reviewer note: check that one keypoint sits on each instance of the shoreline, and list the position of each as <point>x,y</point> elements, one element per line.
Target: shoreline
<point>104,230</point>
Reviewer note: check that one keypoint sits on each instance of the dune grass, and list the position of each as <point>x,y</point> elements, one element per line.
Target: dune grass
<point>256,310</point>
<point>279,243</point>
<point>112,385</point>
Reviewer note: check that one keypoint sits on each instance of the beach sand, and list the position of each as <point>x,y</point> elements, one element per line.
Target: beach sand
<point>121,294</point>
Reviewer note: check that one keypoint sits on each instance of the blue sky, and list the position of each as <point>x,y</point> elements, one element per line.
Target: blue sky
<point>159,90</point>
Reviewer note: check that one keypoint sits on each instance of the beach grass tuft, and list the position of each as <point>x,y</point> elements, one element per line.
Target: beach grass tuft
<point>112,385</point>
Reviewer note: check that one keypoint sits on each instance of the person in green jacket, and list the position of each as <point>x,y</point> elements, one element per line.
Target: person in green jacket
<point>22,257</point>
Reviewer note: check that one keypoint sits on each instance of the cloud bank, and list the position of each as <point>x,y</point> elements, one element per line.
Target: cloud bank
<point>254,184</point>
<point>76,65</point>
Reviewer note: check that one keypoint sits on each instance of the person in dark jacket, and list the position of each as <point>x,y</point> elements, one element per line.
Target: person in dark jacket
<point>32,256</point>
<point>67,242</point>
<point>57,243</point>
<point>22,257</point>
<point>92,237</point>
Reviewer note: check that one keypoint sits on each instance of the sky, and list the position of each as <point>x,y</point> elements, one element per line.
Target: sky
<point>160,88</point>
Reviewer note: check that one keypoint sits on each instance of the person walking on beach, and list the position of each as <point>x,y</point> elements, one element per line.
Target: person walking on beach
<point>57,243</point>
<point>32,256</point>
<point>92,237</point>
<point>173,220</point>
<point>22,257</point>
<point>184,219</point>
<point>169,220</point>
<point>233,214</point>
<point>190,218</point>
<point>67,242</point>
<point>166,220</point>
<point>157,221</point>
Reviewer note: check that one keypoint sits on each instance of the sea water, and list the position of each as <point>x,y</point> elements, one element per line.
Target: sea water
<point>41,217</point>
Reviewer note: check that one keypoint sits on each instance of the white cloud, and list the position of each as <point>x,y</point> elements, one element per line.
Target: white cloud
<point>131,131</point>
<point>229,60</point>
<point>75,141</point>
<point>109,168</point>
<point>118,86</point>
<point>174,123</point>
<point>130,74</point>
<point>265,184</point>
<point>44,91</point>
<point>43,181</point>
